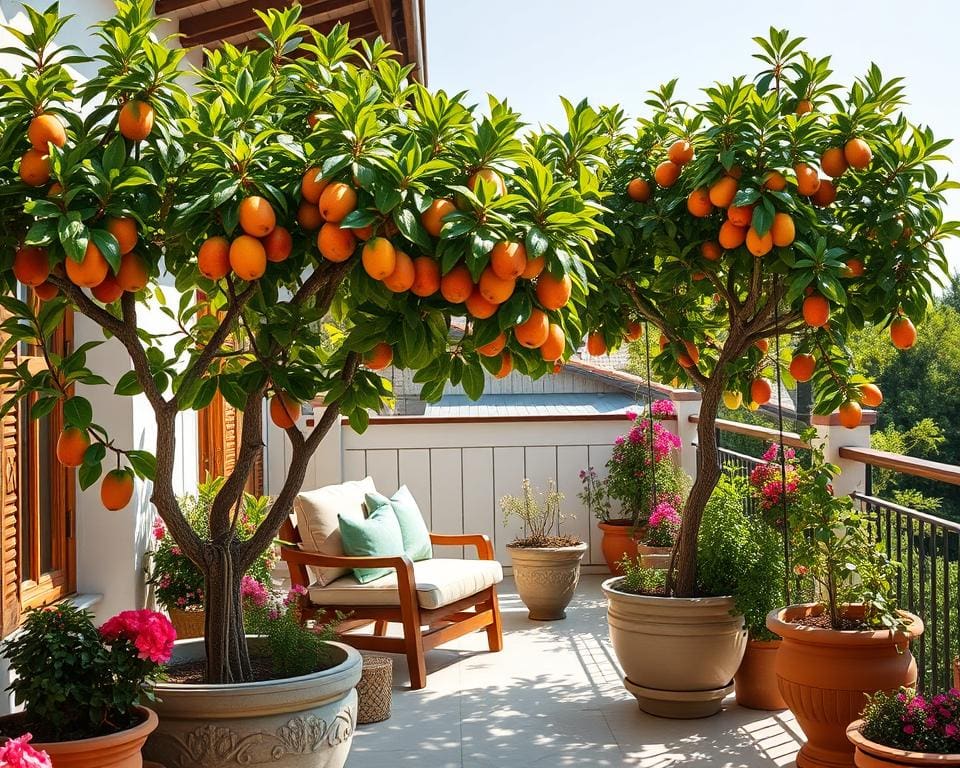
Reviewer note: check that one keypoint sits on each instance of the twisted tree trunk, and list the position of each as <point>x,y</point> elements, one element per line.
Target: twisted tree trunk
<point>228,659</point>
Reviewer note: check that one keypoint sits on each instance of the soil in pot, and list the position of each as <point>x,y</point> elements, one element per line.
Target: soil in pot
<point>756,679</point>
<point>869,754</point>
<point>547,576</point>
<point>619,538</point>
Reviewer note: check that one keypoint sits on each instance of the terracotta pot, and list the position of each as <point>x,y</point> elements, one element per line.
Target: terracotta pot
<point>297,722</point>
<point>118,750</point>
<point>188,624</point>
<point>756,680</point>
<point>546,578</point>
<point>678,654</point>
<point>654,557</point>
<point>869,754</point>
<point>826,675</point>
<point>619,538</point>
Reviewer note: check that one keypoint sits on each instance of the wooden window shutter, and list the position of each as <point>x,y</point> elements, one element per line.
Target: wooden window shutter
<point>9,508</point>
<point>220,429</point>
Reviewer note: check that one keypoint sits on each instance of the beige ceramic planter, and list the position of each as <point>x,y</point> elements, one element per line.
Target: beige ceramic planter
<point>679,655</point>
<point>299,722</point>
<point>546,578</point>
<point>654,557</point>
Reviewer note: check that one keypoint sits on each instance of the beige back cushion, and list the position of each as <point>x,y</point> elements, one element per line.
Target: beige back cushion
<point>317,518</point>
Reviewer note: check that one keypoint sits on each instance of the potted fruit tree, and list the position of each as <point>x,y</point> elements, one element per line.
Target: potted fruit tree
<point>546,562</point>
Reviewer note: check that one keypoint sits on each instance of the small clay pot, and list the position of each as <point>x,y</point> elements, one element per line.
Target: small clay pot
<point>756,679</point>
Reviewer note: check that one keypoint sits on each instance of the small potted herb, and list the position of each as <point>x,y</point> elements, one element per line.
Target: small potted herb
<point>546,562</point>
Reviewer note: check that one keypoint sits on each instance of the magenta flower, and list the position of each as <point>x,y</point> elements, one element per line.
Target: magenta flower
<point>253,590</point>
<point>151,633</point>
<point>159,529</point>
<point>662,409</point>
<point>17,753</point>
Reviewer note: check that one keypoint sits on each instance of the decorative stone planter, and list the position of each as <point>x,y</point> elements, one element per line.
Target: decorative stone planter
<point>297,722</point>
<point>679,654</point>
<point>619,538</point>
<point>654,557</point>
<point>546,578</point>
<point>872,755</point>
<point>826,675</point>
<point>188,624</point>
<point>756,680</point>
<point>118,750</point>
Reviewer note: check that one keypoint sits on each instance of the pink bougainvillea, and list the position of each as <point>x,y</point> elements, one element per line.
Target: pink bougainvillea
<point>17,753</point>
<point>151,633</point>
<point>662,409</point>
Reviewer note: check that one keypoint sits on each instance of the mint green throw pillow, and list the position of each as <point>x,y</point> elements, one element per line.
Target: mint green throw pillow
<point>416,537</point>
<point>377,536</point>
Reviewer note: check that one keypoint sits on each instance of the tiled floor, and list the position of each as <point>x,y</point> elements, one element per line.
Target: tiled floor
<point>553,697</point>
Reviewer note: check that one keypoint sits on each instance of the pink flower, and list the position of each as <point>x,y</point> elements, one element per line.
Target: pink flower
<point>661,409</point>
<point>175,551</point>
<point>908,729</point>
<point>664,512</point>
<point>295,592</point>
<point>950,730</point>
<point>159,529</point>
<point>151,633</point>
<point>17,753</point>
<point>254,591</point>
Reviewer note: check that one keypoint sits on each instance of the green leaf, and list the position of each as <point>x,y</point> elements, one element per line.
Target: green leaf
<point>411,228</point>
<point>88,474</point>
<point>77,412</point>
<point>108,246</point>
<point>128,384</point>
<point>473,380</point>
<point>144,464</point>
<point>114,155</point>
<point>95,454</point>
<point>537,243</point>
<point>43,406</point>
<point>74,237</point>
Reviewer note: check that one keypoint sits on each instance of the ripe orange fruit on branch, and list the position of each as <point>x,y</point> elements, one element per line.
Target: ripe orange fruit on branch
<point>763,345</point>
<point>495,347</point>
<point>116,489</point>
<point>35,167</point>
<point>903,333</point>
<point>711,250</point>
<point>71,445</point>
<point>534,267</point>
<point>553,292</point>
<point>698,203</point>
<point>757,244</point>
<point>691,357</point>
<point>432,218</point>
<point>508,260</point>
<point>426,276</point>
<point>816,310</point>
<point>870,395</point>
<point>804,106</point>
<point>552,349</point>
<point>533,331</point>
<point>457,285</point>
<point>857,153</point>
<point>506,365</point>
<point>808,180</point>
<point>132,275</point>
<point>336,244</point>
<point>312,185</point>
<point>639,190</point>
<point>213,258</point>
<point>248,258</point>
<point>854,268</point>
<point>278,244</point>
<point>833,163</point>
<point>379,357</point>
<point>802,367</point>
<point>495,289</point>
<point>722,191</point>
<point>491,176</point>
<point>680,152</point>
<point>596,346</point>
<point>90,271</point>
<point>774,181</point>
<point>479,307</point>
<point>403,275</point>
<point>308,216</point>
<point>379,258</point>
<point>135,120</point>
<point>284,410</point>
<point>31,265</point>
<point>108,291</point>
<point>783,230</point>
<point>760,391</point>
<point>336,201</point>
<point>256,216</point>
<point>634,331</point>
<point>741,215</point>
<point>124,229</point>
<point>44,129</point>
<point>826,193</point>
<point>45,291</point>
<point>731,236</point>
<point>851,414</point>
<point>667,173</point>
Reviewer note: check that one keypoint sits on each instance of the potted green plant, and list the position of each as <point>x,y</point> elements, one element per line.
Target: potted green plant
<point>546,562</point>
<point>905,728</point>
<point>81,687</point>
<point>854,641</point>
<point>176,580</point>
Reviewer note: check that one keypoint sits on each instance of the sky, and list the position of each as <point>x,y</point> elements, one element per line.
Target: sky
<point>613,51</point>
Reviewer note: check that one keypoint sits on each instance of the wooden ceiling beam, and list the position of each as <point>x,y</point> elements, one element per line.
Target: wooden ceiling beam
<point>172,6</point>
<point>245,28</point>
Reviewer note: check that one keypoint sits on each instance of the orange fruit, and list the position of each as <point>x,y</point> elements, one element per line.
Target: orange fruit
<point>379,357</point>
<point>35,168</point>
<point>312,184</point>
<point>308,216</point>
<point>741,215</point>
<point>379,258</point>
<point>55,189</point>
<point>278,244</point>
<point>731,236</point>
<point>553,348</point>
<point>735,172</point>
<point>804,106</point>
<point>213,258</point>
<point>426,276</point>
<point>457,285</point>
<point>783,230</point>
<point>711,250</point>
<point>596,346</point>
<point>667,173</point>
<point>903,333</point>
<point>479,307</point>
<point>363,233</point>
<point>90,271</point>
<point>508,259</point>
<point>763,345</point>
<point>857,153</point>
<point>506,365</point>
<point>691,357</point>
<point>313,118</point>
<point>495,289</point>
<point>248,259</point>
<point>46,128</point>
<point>71,445</point>
<point>116,489</point>
<point>774,181</point>
<point>495,347</point>
<point>833,163</point>
<point>533,332</point>
<point>336,201</point>
<point>802,367</point>
<point>698,203</point>
<point>816,310</point>
<point>664,342</point>
<point>552,292</point>
<point>432,218</point>
<point>402,277</point>
<point>284,410</point>
<point>257,217</point>
<point>826,193</point>
<point>870,395</point>
<point>760,391</point>
<point>634,331</point>
<point>491,176</point>
<point>133,274</point>
<point>108,291</point>
<point>808,180</point>
<point>135,120</point>
<point>534,267</point>
<point>722,191</point>
<point>851,414</point>
<point>336,244</point>
<point>680,152</point>
<point>757,244</point>
<point>639,190</point>
<point>125,230</point>
<point>854,268</point>
<point>31,265</point>
<point>45,291</point>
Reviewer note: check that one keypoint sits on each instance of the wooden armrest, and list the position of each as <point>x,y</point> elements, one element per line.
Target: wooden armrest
<point>400,563</point>
<point>480,541</point>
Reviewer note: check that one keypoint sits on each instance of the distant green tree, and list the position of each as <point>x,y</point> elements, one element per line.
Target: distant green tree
<point>924,437</point>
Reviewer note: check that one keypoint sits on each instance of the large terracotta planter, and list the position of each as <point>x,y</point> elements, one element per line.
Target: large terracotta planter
<point>756,680</point>
<point>869,754</point>
<point>546,578</point>
<point>297,722</point>
<point>678,654</point>
<point>619,538</point>
<point>654,557</point>
<point>118,750</point>
<point>826,675</point>
<point>188,624</point>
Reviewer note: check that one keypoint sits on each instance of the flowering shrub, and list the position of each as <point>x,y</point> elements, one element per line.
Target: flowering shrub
<point>594,494</point>
<point>539,511</point>
<point>663,524</point>
<point>17,753</point>
<point>662,409</point>
<point>767,481</point>
<point>76,681</point>
<point>177,582</point>
<point>908,720</point>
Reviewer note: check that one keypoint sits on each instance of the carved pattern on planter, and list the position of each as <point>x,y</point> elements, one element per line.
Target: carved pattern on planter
<point>562,577</point>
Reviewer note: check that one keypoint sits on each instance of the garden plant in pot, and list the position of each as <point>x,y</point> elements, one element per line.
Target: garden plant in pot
<point>853,642</point>
<point>546,562</point>
<point>905,728</point>
<point>81,687</point>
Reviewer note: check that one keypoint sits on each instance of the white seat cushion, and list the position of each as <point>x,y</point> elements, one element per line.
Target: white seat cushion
<point>440,581</point>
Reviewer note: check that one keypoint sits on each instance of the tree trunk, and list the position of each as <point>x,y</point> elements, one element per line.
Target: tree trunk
<point>228,660</point>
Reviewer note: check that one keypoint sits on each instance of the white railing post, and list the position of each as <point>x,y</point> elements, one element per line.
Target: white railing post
<point>686,402</point>
<point>834,436</point>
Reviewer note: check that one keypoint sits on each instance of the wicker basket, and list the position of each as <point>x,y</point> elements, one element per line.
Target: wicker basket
<point>375,689</point>
<point>187,623</point>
